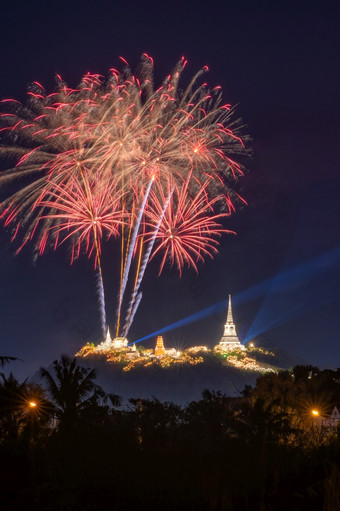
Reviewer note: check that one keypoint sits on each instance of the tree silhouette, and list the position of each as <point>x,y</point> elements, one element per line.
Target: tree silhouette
<point>5,360</point>
<point>72,390</point>
<point>24,410</point>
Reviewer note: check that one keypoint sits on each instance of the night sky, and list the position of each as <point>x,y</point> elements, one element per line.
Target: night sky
<point>280,63</point>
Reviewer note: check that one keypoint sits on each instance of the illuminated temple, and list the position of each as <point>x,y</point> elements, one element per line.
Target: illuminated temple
<point>229,341</point>
<point>229,350</point>
<point>116,343</point>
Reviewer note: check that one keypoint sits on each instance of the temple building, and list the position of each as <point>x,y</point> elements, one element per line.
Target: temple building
<point>161,351</point>
<point>116,343</point>
<point>133,353</point>
<point>229,340</point>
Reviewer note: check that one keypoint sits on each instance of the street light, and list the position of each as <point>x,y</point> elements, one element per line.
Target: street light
<point>32,404</point>
<point>315,413</point>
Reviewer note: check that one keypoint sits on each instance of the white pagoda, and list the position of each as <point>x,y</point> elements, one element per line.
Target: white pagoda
<point>116,343</point>
<point>229,340</point>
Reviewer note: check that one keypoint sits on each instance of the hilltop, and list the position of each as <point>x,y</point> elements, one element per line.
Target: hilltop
<point>179,379</point>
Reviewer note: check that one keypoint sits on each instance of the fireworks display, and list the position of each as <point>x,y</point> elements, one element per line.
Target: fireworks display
<point>115,157</point>
<point>188,232</point>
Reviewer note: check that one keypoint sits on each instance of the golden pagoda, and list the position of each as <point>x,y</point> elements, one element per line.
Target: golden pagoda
<point>159,349</point>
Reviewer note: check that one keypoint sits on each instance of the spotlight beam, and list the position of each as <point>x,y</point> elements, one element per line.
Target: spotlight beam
<point>283,282</point>
<point>189,319</point>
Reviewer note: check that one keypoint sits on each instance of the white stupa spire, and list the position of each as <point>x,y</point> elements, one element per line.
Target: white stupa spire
<point>229,327</point>
<point>230,340</point>
<point>230,313</point>
<point>113,343</point>
<point>108,339</point>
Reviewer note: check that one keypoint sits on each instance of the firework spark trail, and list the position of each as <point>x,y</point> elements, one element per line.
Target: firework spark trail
<point>133,312</point>
<point>132,306</point>
<point>123,260</point>
<point>80,212</point>
<point>131,250</point>
<point>100,283</point>
<point>101,300</point>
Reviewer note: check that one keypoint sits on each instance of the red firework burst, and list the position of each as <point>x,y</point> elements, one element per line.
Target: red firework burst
<point>85,157</point>
<point>189,229</point>
<point>121,128</point>
<point>83,213</point>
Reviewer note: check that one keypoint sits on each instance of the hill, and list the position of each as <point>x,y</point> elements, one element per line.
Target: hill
<point>182,383</point>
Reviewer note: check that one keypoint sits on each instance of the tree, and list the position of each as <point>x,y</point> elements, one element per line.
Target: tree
<point>155,422</point>
<point>72,390</point>
<point>4,360</point>
<point>24,410</point>
<point>210,418</point>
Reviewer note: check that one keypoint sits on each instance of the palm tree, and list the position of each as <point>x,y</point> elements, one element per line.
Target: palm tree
<point>11,400</point>
<point>5,360</point>
<point>24,410</point>
<point>72,390</point>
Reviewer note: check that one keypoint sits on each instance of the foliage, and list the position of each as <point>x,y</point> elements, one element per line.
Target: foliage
<point>72,390</point>
<point>217,453</point>
<point>4,360</point>
<point>24,410</point>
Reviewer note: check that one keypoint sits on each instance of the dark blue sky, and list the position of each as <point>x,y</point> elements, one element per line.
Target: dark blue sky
<point>280,63</point>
